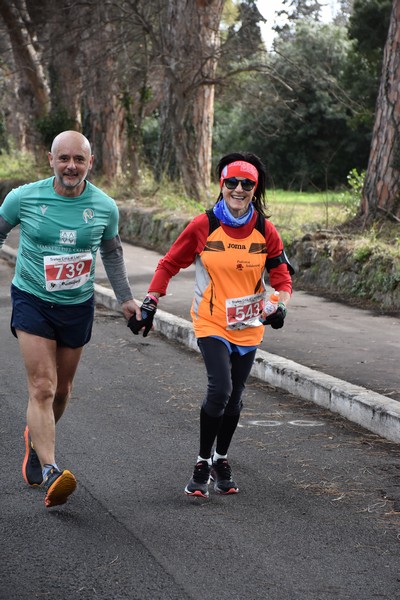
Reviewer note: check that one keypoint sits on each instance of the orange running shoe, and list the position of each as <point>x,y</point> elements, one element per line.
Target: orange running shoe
<point>31,467</point>
<point>59,485</point>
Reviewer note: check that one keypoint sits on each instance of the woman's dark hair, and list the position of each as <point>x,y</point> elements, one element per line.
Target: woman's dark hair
<point>259,194</point>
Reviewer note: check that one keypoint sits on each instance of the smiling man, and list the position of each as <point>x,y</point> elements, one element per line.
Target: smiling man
<point>71,160</point>
<point>63,221</point>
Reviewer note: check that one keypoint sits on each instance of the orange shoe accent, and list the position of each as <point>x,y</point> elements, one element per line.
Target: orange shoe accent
<point>26,458</point>
<point>27,448</point>
<point>60,490</point>
<point>197,493</point>
<point>230,491</point>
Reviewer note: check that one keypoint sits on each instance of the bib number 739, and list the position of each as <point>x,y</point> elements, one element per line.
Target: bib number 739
<point>67,271</point>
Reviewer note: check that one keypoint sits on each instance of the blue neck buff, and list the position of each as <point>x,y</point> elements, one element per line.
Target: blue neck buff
<point>221,211</point>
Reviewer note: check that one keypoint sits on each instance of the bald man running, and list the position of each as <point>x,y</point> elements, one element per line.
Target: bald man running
<point>63,221</point>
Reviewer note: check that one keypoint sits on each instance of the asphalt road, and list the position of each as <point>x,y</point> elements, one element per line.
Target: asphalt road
<point>317,516</point>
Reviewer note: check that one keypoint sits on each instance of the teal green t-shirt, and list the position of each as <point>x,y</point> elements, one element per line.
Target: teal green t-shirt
<point>59,239</point>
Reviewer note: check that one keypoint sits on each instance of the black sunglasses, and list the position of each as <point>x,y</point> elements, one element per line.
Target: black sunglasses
<point>232,183</point>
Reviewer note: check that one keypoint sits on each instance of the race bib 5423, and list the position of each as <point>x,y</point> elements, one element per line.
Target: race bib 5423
<point>244,312</point>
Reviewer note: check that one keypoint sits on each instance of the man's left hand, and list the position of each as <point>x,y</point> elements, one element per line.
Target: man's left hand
<point>130,308</point>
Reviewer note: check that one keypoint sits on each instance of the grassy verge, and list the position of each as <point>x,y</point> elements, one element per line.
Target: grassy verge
<point>293,213</point>
<point>20,165</point>
<point>297,213</point>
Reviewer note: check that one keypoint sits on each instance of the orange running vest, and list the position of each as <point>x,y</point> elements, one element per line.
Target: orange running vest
<point>230,292</point>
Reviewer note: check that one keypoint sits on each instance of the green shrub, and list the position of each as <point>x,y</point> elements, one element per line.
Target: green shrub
<point>362,253</point>
<point>350,200</point>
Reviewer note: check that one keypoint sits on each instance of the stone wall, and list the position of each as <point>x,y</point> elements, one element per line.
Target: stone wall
<point>337,265</point>
<point>150,227</point>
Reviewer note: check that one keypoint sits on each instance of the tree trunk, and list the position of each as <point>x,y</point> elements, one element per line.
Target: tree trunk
<point>103,115</point>
<point>382,181</point>
<point>30,83</point>
<point>64,56</point>
<point>191,44</point>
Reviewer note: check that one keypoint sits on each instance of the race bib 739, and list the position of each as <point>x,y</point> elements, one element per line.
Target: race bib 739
<point>67,271</point>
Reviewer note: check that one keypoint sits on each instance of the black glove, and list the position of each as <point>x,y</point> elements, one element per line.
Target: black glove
<point>277,318</point>
<point>148,308</point>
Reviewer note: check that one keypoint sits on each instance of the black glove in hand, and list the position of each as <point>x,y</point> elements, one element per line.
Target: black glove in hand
<point>277,318</point>
<point>148,308</point>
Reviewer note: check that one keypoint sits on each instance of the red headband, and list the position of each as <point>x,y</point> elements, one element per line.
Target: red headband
<point>239,168</point>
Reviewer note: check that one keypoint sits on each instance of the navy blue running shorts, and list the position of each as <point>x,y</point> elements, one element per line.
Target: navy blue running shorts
<point>68,324</point>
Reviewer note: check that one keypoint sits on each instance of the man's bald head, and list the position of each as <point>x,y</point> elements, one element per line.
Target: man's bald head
<point>71,158</point>
<point>71,137</point>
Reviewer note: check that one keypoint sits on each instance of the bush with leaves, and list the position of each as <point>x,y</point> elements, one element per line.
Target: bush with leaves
<point>351,198</point>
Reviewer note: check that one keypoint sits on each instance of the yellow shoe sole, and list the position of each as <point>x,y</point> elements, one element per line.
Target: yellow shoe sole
<point>60,490</point>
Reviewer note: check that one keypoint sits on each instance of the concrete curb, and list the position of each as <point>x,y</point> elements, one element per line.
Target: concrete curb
<point>375,412</point>
<point>9,253</point>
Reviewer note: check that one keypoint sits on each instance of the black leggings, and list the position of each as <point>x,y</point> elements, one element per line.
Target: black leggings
<point>227,374</point>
